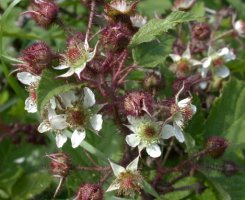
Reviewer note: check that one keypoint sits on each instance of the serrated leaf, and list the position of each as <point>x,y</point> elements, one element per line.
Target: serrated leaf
<point>156,27</point>
<point>31,185</point>
<point>49,86</point>
<point>227,115</point>
<point>153,53</point>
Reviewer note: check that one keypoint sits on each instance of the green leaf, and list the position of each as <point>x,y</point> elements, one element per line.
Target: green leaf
<point>153,53</point>
<point>198,10</point>
<point>237,65</point>
<point>238,5</point>
<point>156,27</point>
<point>31,185</point>
<point>49,86</point>
<point>227,115</point>
<point>147,187</point>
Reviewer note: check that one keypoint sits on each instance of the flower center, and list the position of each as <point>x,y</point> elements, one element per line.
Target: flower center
<point>183,66</point>
<point>77,57</point>
<point>77,117</point>
<point>149,132</point>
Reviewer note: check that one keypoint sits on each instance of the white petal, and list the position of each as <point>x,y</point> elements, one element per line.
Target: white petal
<point>52,103</point>
<point>133,120</point>
<point>133,140</point>
<point>222,72</point>
<point>59,122</point>
<point>30,105</point>
<point>195,62</point>
<point>193,108</point>
<point>113,186</point>
<point>184,102</point>
<point>96,122</point>
<point>178,133</point>
<point>60,140</point>
<point>206,62</point>
<point>43,127</point>
<point>78,70</point>
<point>68,98</point>
<point>178,119</point>
<point>175,57</point>
<point>187,53</point>
<point>133,166</point>
<point>27,78</point>
<point>89,98</point>
<point>77,137</point>
<point>141,146</point>
<point>70,72</point>
<point>92,54</point>
<point>223,51</point>
<point>117,169</point>
<point>203,85</point>
<point>60,67</point>
<point>154,151</point>
<point>167,132</point>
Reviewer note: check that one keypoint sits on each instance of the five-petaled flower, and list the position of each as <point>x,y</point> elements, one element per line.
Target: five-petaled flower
<point>216,59</point>
<point>182,64</point>
<point>75,115</point>
<point>128,180</point>
<point>148,133</point>
<point>76,58</point>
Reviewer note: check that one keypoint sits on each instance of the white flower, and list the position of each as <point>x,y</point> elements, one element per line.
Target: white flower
<point>138,20</point>
<point>76,59</point>
<point>120,7</point>
<point>147,134</point>
<point>128,180</point>
<point>182,111</point>
<point>32,82</point>
<point>216,60</point>
<point>182,64</point>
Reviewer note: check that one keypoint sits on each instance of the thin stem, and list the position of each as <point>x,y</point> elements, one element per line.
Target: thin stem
<point>90,21</point>
<point>168,151</point>
<point>93,168</point>
<point>58,187</point>
<point>226,33</point>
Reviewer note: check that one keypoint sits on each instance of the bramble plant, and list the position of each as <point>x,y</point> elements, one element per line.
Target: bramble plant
<point>128,106</point>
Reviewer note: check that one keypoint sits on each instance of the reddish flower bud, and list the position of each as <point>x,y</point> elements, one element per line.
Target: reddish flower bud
<point>230,168</point>
<point>60,164</point>
<point>116,37</point>
<point>75,40</point>
<point>152,80</point>
<point>183,5</point>
<point>201,31</point>
<point>138,103</point>
<point>44,13</point>
<point>36,58</point>
<point>90,191</point>
<point>216,146</point>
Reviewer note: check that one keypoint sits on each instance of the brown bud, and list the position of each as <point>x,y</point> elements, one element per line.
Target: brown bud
<point>230,168</point>
<point>201,31</point>
<point>152,80</point>
<point>44,13</point>
<point>138,103</point>
<point>36,58</point>
<point>60,164</point>
<point>116,37</point>
<point>90,191</point>
<point>216,146</point>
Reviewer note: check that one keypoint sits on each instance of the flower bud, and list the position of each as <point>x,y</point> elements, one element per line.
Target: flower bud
<point>116,37</point>
<point>216,146</point>
<point>90,191</point>
<point>239,27</point>
<point>60,164</point>
<point>36,58</point>
<point>201,31</point>
<point>183,5</point>
<point>152,80</point>
<point>138,103</point>
<point>230,168</point>
<point>44,13</point>
<point>75,40</point>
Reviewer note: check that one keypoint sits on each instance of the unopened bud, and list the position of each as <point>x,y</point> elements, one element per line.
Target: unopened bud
<point>44,13</point>
<point>239,27</point>
<point>75,40</point>
<point>216,146</point>
<point>152,80</point>
<point>116,37</point>
<point>183,5</point>
<point>36,58</point>
<point>230,168</point>
<point>90,191</point>
<point>138,103</point>
<point>201,31</point>
<point>60,164</point>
